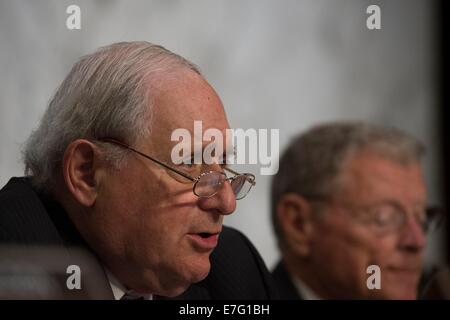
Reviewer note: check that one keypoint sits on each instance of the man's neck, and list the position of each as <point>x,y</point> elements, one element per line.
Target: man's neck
<point>304,291</point>
<point>304,279</point>
<point>119,290</point>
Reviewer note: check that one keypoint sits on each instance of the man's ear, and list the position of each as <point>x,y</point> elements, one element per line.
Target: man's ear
<point>80,170</point>
<point>295,217</point>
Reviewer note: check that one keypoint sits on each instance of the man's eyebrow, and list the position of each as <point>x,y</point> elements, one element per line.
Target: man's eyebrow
<point>189,158</point>
<point>385,201</point>
<point>224,157</point>
<point>396,204</point>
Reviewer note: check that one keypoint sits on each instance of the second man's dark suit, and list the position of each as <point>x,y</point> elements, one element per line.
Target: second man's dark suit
<point>283,281</point>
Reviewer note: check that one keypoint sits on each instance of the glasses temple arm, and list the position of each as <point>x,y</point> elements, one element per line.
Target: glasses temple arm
<point>181,173</point>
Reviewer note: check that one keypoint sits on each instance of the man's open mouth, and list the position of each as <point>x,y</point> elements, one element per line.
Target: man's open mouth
<point>204,240</point>
<point>205,234</point>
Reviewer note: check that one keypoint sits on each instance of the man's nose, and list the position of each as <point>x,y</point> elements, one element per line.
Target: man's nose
<point>224,201</point>
<point>412,236</point>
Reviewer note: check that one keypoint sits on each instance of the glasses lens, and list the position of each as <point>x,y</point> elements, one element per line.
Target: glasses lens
<point>208,184</point>
<point>241,186</point>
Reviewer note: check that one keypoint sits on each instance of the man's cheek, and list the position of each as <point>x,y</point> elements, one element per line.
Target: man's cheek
<point>381,252</point>
<point>358,256</point>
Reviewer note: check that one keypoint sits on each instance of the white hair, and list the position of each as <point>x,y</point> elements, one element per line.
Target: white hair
<point>108,93</point>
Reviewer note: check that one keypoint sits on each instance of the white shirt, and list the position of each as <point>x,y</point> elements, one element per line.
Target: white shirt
<point>119,289</point>
<point>305,292</point>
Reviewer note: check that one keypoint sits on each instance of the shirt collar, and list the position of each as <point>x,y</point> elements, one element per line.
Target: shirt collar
<point>119,289</point>
<point>305,292</point>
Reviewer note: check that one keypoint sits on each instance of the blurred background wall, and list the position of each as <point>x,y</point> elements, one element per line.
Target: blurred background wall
<point>276,64</point>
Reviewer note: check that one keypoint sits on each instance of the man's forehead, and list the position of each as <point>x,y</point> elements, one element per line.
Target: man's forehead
<point>369,174</point>
<point>374,165</point>
<point>186,102</point>
<point>186,98</point>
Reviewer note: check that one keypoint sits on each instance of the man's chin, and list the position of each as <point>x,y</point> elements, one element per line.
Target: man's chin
<point>400,286</point>
<point>398,293</point>
<point>175,292</point>
<point>192,274</point>
<point>410,295</point>
<point>200,270</point>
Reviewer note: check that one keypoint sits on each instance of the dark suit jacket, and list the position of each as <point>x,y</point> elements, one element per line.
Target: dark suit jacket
<point>283,282</point>
<point>29,219</point>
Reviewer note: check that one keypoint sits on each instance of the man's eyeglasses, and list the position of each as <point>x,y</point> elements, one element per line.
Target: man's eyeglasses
<point>389,217</point>
<point>206,184</point>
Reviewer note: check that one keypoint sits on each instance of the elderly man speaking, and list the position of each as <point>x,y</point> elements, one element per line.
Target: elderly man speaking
<point>100,177</point>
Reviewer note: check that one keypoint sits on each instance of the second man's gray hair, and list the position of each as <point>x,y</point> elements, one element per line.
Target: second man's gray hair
<point>311,164</point>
